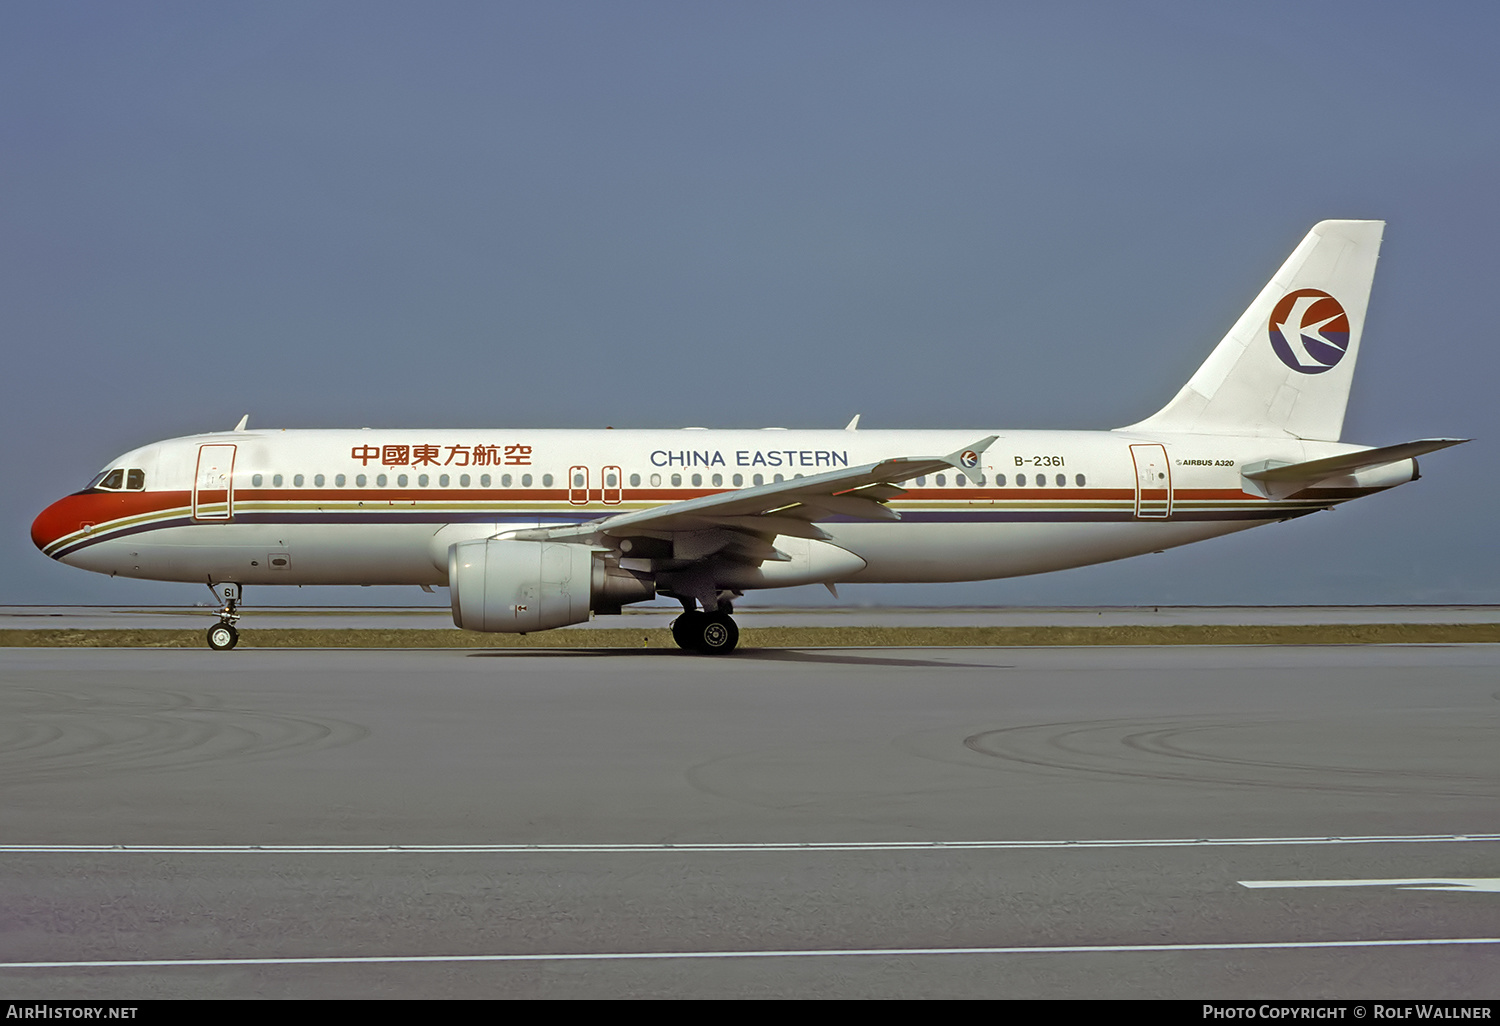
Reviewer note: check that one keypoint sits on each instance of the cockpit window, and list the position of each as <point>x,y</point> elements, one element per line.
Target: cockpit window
<point>119,480</point>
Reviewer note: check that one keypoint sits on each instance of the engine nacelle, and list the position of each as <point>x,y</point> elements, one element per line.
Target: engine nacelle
<point>520,586</point>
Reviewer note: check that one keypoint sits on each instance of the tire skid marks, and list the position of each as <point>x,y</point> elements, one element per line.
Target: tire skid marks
<point>1344,756</point>
<point>60,735</point>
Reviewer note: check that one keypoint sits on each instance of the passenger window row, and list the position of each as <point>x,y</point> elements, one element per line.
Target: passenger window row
<point>135,480</point>
<point>400,480</point>
<point>1038,481</point>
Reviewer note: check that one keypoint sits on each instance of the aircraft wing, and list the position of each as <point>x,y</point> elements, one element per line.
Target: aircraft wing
<point>784,507</point>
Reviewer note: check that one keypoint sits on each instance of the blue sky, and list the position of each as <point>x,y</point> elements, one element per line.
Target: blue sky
<point>657,214</point>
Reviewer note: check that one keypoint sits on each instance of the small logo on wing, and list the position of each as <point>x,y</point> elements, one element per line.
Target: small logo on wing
<point>1309,331</point>
<point>969,458</point>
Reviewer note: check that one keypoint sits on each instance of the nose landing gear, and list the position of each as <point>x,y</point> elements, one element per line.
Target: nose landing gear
<point>222,636</point>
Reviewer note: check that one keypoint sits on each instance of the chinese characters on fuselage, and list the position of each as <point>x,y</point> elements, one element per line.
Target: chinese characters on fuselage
<point>443,455</point>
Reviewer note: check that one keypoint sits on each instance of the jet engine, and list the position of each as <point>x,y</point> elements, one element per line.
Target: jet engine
<point>520,586</point>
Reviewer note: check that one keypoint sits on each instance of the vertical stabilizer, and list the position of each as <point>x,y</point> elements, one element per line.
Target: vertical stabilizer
<point>1285,366</point>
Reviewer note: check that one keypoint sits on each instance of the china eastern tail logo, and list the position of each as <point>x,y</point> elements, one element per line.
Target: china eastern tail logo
<point>1309,331</point>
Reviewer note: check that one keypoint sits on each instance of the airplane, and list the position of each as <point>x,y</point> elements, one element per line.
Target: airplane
<point>532,530</point>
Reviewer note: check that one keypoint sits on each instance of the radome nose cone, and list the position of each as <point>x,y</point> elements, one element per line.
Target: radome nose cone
<point>63,517</point>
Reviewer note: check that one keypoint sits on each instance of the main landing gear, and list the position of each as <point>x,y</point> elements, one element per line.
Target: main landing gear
<point>713,633</point>
<point>222,636</point>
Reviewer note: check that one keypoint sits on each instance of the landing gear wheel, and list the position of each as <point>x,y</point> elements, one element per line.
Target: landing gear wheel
<point>687,629</point>
<point>222,637</point>
<point>718,635</point>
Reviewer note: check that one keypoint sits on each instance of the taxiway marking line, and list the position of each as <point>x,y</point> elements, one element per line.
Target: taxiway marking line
<point>770,846</point>
<point>606,956</point>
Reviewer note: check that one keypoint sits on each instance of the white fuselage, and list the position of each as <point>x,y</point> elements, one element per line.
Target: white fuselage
<point>384,506</point>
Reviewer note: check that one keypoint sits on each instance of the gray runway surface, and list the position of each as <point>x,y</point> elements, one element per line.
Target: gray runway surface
<point>872,823</point>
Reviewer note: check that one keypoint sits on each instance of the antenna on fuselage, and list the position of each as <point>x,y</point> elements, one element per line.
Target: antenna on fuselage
<point>243,421</point>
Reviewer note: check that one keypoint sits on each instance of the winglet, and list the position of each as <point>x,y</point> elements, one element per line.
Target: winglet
<point>243,421</point>
<point>853,425</point>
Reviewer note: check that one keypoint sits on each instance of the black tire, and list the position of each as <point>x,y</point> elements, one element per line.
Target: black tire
<point>718,635</point>
<point>222,637</point>
<point>687,629</point>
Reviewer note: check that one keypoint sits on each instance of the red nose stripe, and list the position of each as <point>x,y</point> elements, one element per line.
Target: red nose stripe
<point>72,512</point>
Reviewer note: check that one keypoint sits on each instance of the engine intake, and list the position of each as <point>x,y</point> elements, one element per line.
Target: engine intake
<point>502,585</point>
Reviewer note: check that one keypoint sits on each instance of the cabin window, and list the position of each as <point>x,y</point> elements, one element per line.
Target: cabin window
<point>484,480</point>
<point>922,481</point>
<point>318,480</point>
<point>718,480</point>
<point>739,480</point>
<point>759,479</point>
<point>297,480</point>
<point>256,480</point>
<point>401,480</point>
<point>697,480</point>
<point>422,480</point>
<point>504,480</point>
<point>1062,480</point>
<point>380,480</point>
<point>611,479</point>
<point>360,480</point>
<point>577,480</point>
<point>999,480</point>
<point>959,480</point>
<point>546,480</point>
<point>338,480</point>
<point>635,480</point>
<point>276,480</point>
<point>941,480</point>
<point>525,480</point>
<point>776,478</point>
<point>1020,480</point>
<point>676,480</point>
<point>442,480</point>
<point>463,480</point>
<point>655,480</point>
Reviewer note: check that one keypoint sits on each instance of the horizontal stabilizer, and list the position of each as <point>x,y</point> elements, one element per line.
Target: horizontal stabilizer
<point>1349,463</point>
